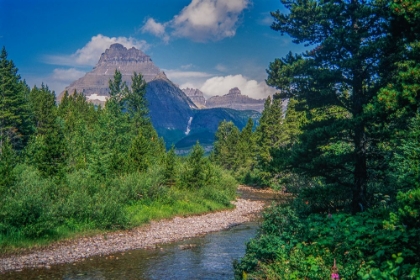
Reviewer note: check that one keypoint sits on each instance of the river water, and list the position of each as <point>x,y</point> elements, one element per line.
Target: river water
<point>209,256</point>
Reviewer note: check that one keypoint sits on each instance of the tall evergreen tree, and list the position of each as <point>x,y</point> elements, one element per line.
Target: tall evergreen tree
<point>80,118</point>
<point>47,149</point>
<point>349,63</point>
<point>135,100</point>
<point>270,132</point>
<point>226,145</point>
<point>117,92</point>
<point>195,175</point>
<point>169,165</point>
<point>15,122</point>
<point>7,163</point>
<point>43,108</point>
<point>247,146</point>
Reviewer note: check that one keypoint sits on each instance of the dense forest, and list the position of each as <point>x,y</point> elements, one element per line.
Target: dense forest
<point>341,139</point>
<point>74,168</point>
<point>346,151</point>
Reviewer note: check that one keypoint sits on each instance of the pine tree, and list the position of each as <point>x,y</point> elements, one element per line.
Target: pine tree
<point>270,132</point>
<point>344,71</point>
<point>15,122</point>
<point>80,118</point>
<point>195,175</point>
<point>47,149</point>
<point>7,163</point>
<point>226,145</point>
<point>247,147</point>
<point>169,165</point>
<point>135,100</point>
<point>117,92</point>
<point>44,109</point>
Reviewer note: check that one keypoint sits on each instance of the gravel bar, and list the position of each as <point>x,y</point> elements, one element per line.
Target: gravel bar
<point>147,236</point>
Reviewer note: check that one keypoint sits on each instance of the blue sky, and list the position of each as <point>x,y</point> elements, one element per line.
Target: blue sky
<point>212,45</point>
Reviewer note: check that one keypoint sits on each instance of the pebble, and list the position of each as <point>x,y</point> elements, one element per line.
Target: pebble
<point>147,236</point>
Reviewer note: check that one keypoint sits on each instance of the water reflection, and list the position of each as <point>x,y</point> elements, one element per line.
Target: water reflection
<point>206,257</point>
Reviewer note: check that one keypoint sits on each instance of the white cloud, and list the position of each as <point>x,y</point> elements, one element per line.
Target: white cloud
<point>183,78</point>
<point>187,66</point>
<point>221,86</point>
<point>176,74</point>
<point>67,75</point>
<point>91,52</point>
<point>221,68</point>
<point>97,97</point>
<point>155,28</point>
<point>189,85</point>
<point>201,21</point>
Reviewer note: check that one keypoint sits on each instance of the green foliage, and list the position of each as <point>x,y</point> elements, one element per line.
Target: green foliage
<point>170,163</point>
<point>338,78</point>
<point>15,120</point>
<point>226,148</point>
<point>407,157</point>
<point>355,143</point>
<point>289,247</point>
<point>47,149</point>
<point>196,169</point>
<point>88,169</point>
<point>7,163</point>
<point>135,99</point>
<point>270,132</point>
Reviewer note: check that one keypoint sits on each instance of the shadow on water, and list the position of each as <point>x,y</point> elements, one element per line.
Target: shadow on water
<point>205,257</point>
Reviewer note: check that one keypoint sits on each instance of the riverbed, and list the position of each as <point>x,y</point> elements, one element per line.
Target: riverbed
<point>168,249</point>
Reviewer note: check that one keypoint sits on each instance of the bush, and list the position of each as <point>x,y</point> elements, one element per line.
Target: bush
<point>27,208</point>
<point>305,248</point>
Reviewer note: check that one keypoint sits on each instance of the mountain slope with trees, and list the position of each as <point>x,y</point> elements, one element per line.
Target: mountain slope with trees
<point>75,168</point>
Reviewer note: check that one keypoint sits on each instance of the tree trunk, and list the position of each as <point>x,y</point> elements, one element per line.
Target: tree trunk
<point>360,171</point>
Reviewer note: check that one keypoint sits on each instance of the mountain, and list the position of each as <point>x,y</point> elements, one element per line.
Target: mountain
<point>95,83</point>
<point>173,114</point>
<point>196,96</point>
<point>235,100</point>
<point>205,122</point>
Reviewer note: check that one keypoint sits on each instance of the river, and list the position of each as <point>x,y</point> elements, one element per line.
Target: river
<point>208,256</point>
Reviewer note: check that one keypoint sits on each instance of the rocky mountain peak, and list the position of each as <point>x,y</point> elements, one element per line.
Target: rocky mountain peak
<point>127,61</point>
<point>235,100</point>
<point>196,96</point>
<point>234,92</point>
<point>117,54</point>
<point>117,46</point>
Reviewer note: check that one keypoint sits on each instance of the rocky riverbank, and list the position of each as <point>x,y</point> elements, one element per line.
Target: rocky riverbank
<point>148,236</point>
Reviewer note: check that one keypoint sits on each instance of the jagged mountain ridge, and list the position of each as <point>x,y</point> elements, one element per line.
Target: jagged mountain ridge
<point>233,100</point>
<point>173,114</point>
<point>95,83</point>
<point>196,96</point>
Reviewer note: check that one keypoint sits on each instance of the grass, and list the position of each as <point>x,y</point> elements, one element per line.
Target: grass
<point>141,214</point>
<point>37,211</point>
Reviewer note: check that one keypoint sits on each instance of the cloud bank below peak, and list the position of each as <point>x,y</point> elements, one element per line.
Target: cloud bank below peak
<point>200,21</point>
<point>89,54</point>
<point>221,85</point>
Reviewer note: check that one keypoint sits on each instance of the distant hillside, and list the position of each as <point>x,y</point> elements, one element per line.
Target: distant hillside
<point>174,115</point>
<point>205,122</point>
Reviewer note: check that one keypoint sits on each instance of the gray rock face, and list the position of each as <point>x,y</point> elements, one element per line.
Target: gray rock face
<point>173,114</point>
<point>196,96</point>
<point>95,83</point>
<point>235,100</point>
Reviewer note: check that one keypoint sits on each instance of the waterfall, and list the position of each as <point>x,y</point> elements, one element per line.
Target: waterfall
<point>188,126</point>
